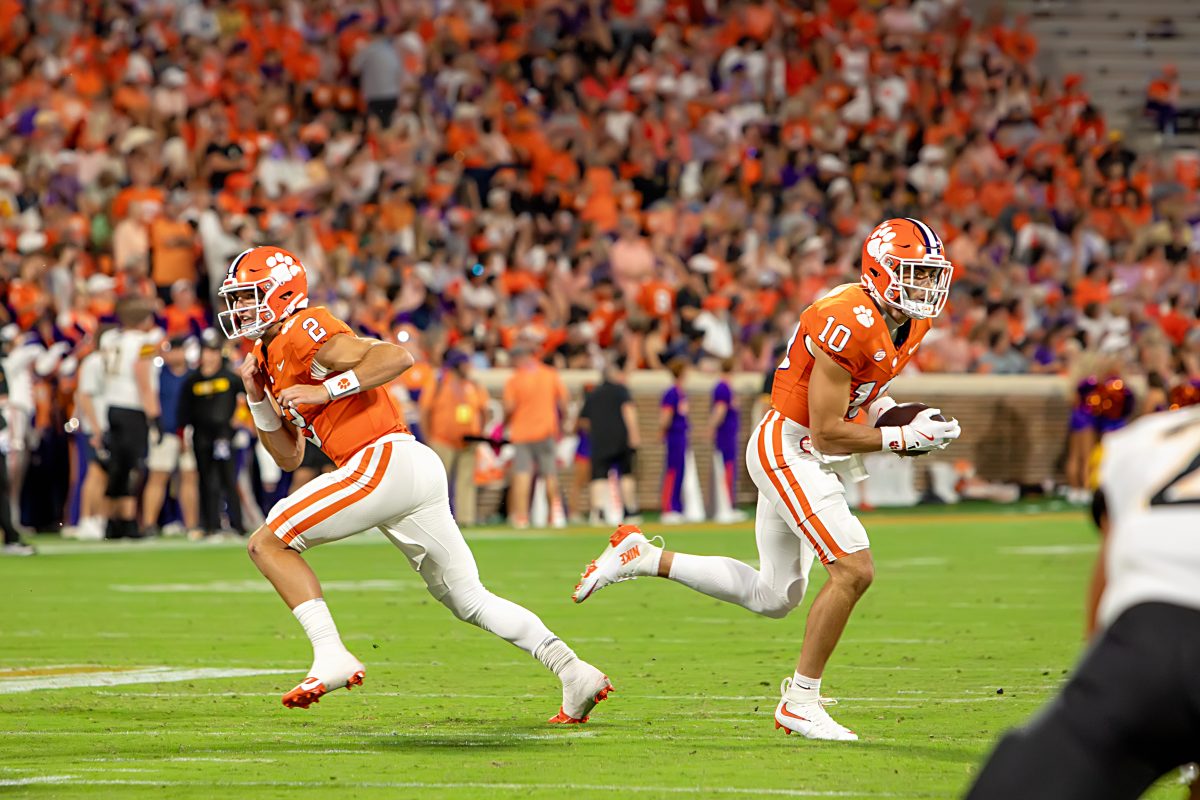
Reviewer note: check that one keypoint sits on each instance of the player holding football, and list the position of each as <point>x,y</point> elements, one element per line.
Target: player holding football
<point>827,394</point>
<point>309,369</point>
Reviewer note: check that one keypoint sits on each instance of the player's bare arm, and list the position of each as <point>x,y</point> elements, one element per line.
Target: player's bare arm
<point>142,371</point>
<point>828,401</point>
<point>283,442</point>
<point>356,366</point>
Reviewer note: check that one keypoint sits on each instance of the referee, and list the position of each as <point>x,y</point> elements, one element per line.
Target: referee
<point>1131,712</point>
<point>207,404</point>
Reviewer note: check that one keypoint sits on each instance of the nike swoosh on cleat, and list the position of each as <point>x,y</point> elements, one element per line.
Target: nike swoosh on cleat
<point>783,710</point>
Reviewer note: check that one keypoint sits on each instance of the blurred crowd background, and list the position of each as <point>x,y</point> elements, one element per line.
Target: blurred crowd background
<point>647,180</point>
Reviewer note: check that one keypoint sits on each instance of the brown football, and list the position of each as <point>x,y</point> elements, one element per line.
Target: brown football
<point>903,414</point>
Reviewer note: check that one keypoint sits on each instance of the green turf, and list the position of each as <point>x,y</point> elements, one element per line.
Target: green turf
<point>955,616</point>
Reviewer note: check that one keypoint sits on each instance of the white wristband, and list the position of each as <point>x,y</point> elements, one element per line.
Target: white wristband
<point>265,417</point>
<point>893,439</point>
<point>343,384</point>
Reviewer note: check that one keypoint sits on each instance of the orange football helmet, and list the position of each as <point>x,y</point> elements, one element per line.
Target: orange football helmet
<point>904,266</point>
<point>274,282</point>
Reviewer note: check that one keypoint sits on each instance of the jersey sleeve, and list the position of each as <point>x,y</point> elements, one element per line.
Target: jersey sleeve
<point>834,329</point>
<point>91,375</point>
<point>722,394</point>
<point>151,343</point>
<point>311,331</point>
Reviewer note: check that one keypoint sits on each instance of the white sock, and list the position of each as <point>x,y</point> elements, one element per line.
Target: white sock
<point>734,582</point>
<point>318,624</point>
<point>555,655</point>
<point>804,689</point>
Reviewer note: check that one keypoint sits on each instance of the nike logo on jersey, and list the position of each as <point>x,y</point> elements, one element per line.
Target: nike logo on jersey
<point>279,366</point>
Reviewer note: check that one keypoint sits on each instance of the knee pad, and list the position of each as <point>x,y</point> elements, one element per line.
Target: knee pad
<point>776,605</point>
<point>465,602</point>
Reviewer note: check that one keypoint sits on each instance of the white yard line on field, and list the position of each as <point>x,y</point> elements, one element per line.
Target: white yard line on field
<point>982,696</point>
<point>1049,550</point>
<point>620,789</point>
<point>125,676</point>
<point>256,587</point>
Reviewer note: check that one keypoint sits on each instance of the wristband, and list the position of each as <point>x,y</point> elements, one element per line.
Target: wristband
<point>893,439</point>
<point>343,384</point>
<point>265,417</point>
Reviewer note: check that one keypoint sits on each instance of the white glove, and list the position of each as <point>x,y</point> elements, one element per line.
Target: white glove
<point>922,434</point>
<point>877,408</point>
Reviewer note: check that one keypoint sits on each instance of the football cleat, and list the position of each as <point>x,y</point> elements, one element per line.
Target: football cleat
<point>581,692</point>
<point>628,555</point>
<point>322,680</point>
<point>810,719</point>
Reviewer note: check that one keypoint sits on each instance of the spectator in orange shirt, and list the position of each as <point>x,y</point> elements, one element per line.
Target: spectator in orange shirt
<point>535,403</point>
<point>1162,99</point>
<point>172,249</point>
<point>452,408</point>
<point>184,316</point>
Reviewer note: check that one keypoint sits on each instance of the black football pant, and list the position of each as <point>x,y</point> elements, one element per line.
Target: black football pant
<point>1130,714</point>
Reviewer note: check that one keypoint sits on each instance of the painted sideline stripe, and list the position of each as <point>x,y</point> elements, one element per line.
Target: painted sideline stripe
<point>113,677</point>
<point>623,788</point>
<point>871,520</point>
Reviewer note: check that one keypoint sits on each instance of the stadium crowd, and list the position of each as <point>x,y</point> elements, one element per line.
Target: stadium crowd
<point>652,178</point>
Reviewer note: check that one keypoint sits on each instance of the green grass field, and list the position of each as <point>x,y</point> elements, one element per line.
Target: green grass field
<point>973,621</point>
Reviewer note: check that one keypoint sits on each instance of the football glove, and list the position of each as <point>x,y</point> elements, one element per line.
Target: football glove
<point>877,408</point>
<point>925,433</point>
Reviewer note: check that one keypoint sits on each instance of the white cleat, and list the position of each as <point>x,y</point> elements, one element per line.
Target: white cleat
<point>345,671</point>
<point>628,555</point>
<point>582,690</point>
<point>810,719</point>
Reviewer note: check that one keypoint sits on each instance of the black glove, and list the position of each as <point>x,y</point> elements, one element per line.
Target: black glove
<point>156,430</point>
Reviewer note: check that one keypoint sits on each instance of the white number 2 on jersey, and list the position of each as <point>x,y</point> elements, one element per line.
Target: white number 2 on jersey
<point>312,326</point>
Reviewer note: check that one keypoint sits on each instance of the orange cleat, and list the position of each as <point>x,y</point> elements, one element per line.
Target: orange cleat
<point>563,718</point>
<point>311,690</point>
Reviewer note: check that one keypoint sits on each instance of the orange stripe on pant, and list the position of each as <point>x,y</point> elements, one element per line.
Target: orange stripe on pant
<point>770,471</point>
<point>289,516</point>
<point>300,502</point>
<point>805,506</point>
<point>345,502</point>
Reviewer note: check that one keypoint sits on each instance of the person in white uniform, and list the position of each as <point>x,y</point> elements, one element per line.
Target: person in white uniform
<point>1131,712</point>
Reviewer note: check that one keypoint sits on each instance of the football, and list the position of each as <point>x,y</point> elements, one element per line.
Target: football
<point>903,414</point>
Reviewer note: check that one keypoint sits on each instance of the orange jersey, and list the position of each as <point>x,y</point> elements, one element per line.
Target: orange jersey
<point>340,427</point>
<point>849,327</point>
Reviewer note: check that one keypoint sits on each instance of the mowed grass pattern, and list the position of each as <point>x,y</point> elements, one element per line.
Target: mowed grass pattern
<point>971,625</point>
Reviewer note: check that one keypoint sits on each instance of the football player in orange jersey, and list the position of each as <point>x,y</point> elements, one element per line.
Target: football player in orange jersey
<point>308,369</point>
<point>827,394</point>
